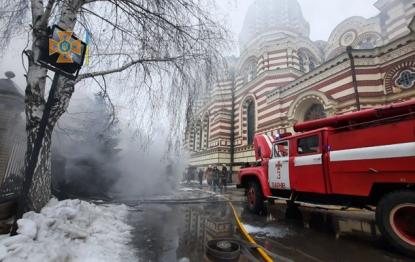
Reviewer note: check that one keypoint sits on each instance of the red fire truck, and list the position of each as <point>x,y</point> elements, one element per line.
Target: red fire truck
<point>362,159</point>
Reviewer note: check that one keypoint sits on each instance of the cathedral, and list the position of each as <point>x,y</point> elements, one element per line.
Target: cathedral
<point>281,77</point>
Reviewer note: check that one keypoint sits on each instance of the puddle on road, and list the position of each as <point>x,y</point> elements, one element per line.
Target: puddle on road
<point>179,232</point>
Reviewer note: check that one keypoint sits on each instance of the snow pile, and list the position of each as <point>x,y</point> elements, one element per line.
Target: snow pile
<point>70,230</point>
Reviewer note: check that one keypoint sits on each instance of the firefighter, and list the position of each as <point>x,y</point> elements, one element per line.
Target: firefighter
<point>208,175</point>
<point>223,178</point>
<point>200,176</point>
<point>216,178</point>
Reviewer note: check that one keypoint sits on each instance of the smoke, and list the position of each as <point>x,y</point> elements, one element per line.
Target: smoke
<point>148,171</point>
<point>94,158</point>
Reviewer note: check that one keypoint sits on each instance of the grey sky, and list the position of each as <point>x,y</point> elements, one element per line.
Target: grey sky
<point>323,15</point>
<point>12,61</point>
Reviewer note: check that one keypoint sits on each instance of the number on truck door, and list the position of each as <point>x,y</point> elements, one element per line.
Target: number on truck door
<point>278,170</point>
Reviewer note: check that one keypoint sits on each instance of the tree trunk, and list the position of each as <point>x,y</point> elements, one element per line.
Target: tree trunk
<point>40,189</point>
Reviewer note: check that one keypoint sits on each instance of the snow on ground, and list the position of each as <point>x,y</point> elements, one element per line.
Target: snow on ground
<point>193,182</point>
<point>71,231</point>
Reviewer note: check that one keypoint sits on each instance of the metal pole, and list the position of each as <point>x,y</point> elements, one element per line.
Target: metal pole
<point>31,166</point>
<point>232,160</point>
<point>352,66</point>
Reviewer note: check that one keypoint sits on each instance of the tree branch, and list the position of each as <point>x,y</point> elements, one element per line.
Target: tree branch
<point>47,12</point>
<point>125,66</point>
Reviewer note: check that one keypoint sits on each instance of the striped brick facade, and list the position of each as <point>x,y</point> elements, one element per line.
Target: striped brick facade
<point>12,134</point>
<point>292,74</point>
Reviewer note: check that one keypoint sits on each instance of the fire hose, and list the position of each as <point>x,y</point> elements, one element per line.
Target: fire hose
<point>260,250</point>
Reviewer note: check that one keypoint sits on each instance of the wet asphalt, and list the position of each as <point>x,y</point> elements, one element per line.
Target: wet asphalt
<point>177,231</point>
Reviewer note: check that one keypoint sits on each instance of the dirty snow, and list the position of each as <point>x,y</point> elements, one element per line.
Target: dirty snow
<point>72,231</point>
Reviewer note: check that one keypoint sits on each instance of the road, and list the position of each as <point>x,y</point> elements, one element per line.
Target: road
<point>179,232</point>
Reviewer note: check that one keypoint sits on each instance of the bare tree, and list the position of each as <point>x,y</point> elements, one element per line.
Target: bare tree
<point>162,47</point>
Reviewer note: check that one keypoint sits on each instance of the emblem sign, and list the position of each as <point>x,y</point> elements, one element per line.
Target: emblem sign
<point>63,52</point>
<point>278,169</point>
<point>65,46</point>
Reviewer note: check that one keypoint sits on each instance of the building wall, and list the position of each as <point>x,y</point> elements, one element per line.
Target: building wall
<point>12,140</point>
<point>284,75</point>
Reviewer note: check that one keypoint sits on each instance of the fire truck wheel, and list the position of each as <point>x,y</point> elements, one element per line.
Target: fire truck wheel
<point>255,198</point>
<point>395,217</point>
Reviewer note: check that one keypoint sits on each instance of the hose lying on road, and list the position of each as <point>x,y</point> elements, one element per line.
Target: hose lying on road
<point>260,250</point>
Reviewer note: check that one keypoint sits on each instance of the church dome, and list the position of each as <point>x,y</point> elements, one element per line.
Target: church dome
<point>273,16</point>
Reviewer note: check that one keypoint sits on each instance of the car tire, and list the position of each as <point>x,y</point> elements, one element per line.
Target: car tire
<point>255,198</point>
<point>395,217</point>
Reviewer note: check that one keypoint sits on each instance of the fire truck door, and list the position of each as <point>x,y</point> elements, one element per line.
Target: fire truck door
<point>308,173</point>
<point>278,167</point>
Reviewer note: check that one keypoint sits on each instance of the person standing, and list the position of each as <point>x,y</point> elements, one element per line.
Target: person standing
<point>216,177</point>
<point>208,176</point>
<point>200,176</point>
<point>224,178</point>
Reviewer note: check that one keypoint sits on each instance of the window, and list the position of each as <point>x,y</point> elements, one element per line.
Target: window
<point>281,149</point>
<point>200,137</point>
<point>312,65</point>
<point>406,79</point>
<point>194,139</point>
<point>316,111</point>
<point>207,133</point>
<point>251,122</point>
<point>250,72</point>
<point>307,61</point>
<point>302,62</point>
<point>308,145</point>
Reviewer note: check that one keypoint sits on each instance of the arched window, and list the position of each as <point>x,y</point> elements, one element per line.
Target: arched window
<point>200,137</point>
<point>312,65</point>
<point>251,122</point>
<point>307,61</point>
<point>302,62</point>
<point>249,71</point>
<point>194,139</point>
<point>316,111</point>
<point>207,133</point>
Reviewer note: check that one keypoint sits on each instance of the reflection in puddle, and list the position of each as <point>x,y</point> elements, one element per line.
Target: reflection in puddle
<point>180,232</point>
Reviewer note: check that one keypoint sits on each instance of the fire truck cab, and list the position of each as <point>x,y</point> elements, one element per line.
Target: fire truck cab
<point>359,159</point>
